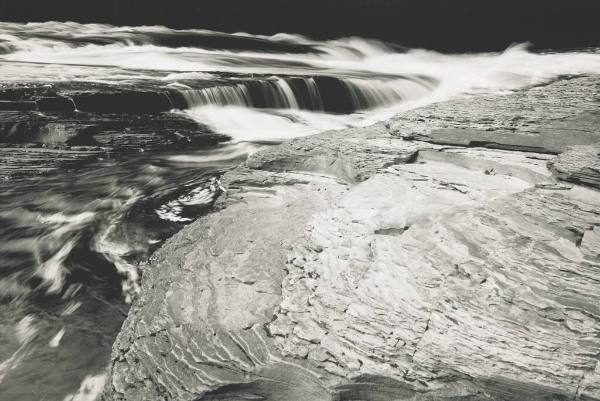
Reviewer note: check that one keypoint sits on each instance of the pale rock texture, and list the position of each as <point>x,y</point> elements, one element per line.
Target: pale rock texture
<point>382,263</point>
<point>579,164</point>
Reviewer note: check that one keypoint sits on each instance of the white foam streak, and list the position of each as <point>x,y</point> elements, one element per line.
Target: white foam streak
<point>63,239</point>
<point>116,252</point>
<point>11,363</point>
<point>228,152</point>
<point>25,330</point>
<point>513,69</point>
<point>52,271</point>
<point>244,124</point>
<point>89,390</point>
<point>200,196</point>
<point>55,341</point>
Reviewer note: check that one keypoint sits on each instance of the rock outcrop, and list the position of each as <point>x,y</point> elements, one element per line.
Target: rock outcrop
<point>384,263</point>
<point>579,164</point>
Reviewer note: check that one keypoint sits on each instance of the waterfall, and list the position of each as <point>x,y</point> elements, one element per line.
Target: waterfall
<point>235,95</point>
<point>269,93</point>
<point>288,97</point>
<point>329,94</point>
<point>313,94</point>
<point>370,94</point>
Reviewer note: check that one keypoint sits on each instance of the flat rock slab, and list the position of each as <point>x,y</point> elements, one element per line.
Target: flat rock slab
<point>34,142</point>
<point>352,155</point>
<point>559,108</point>
<point>556,137</point>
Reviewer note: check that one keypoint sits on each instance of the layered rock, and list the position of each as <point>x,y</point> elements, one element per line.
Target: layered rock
<point>579,164</point>
<point>35,142</point>
<point>382,264</point>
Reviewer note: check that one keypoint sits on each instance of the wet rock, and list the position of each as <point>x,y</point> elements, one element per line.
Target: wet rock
<point>26,161</point>
<point>61,104</point>
<point>124,102</point>
<point>26,138</point>
<point>17,106</point>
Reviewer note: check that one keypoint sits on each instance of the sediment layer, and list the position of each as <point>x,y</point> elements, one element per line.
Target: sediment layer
<point>445,254</point>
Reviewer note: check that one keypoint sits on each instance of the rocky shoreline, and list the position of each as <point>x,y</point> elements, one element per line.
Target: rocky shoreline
<point>452,252</point>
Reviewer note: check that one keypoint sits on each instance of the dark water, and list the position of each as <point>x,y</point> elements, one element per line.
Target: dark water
<point>69,245</point>
<point>112,138</point>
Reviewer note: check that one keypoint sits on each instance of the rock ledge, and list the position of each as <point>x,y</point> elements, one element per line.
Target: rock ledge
<point>406,260</point>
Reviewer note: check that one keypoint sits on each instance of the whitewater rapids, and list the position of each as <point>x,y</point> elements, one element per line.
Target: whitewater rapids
<point>384,77</point>
<point>92,203</point>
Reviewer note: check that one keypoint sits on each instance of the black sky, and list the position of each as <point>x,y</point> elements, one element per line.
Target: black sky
<point>447,25</point>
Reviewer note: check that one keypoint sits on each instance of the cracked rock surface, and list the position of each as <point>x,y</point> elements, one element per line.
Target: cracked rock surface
<point>383,263</point>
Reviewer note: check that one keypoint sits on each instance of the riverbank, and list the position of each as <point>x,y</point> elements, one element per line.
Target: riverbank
<point>447,253</point>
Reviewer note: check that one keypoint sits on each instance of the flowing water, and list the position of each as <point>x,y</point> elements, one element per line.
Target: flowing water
<point>111,139</point>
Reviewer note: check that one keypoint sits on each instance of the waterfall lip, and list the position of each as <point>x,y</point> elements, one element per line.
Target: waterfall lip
<point>337,94</point>
<point>314,92</point>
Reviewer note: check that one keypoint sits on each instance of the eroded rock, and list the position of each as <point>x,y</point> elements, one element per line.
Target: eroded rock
<point>579,164</point>
<point>356,265</point>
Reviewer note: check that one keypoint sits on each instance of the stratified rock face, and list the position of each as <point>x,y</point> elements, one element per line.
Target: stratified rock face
<point>376,264</point>
<point>210,302</point>
<point>428,272</point>
<point>579,164</point>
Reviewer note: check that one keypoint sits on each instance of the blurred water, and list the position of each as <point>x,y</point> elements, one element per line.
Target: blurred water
<point>69,246</point>
<point>72,234</point>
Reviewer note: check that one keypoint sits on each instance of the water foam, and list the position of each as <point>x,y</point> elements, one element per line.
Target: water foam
<point>202,196</point>
<point>90,388</point>
<point>116,251</point>
<point>330,94</point>
<point>375,75</point>
<point>60,240</point>
<point>229,151</point>
<point>139,48</point>
<point>243,124</point>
